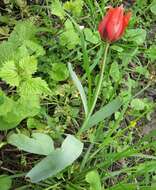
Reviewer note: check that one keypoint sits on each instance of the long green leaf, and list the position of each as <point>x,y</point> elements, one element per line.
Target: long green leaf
<point>57,160</point>
<point>79,87</point>
<point>104,112</point>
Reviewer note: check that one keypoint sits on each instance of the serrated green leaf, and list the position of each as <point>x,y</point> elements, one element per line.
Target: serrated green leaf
<point>57,161</point>
<point>34,86</point>
<point>5,182</point>
<point>79,87</point>
<point>59,72</point>
<point>9,73</point>
<point>34,48</point>
<point>93,179</point>
<point>23,31</point>
<point>40,143</point>
<point>57,9</point>
<point>28,66</point>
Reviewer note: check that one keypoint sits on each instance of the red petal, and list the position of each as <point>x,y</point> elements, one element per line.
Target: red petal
<point>126,21</point>
<point>103,23</point>
<point>127,18</point>
<point>115,24</point>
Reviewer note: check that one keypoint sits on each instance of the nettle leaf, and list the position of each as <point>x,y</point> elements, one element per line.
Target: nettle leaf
<point>34,86</point>
<point>74,6</point>
<point>57,9</point>
<point>34,48</point>
<point>59,72</point>
<point>92,37</point>
<point>9,73</point>
<point>93,179</point>
<point>136,35</point>
<point>40,143</point>
<point>6,47</point>
<point>5,182</point>
<point>28,66</point>
<point>57,160</point>
<point>23,31</point>
<point>69,37</point>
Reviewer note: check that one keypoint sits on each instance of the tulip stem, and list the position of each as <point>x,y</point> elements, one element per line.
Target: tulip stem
<point>84,126</point>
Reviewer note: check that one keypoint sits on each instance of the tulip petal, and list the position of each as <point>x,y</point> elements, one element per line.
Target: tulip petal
<point>103,23</point>
<point>126,19</point>
<point>115,24</point>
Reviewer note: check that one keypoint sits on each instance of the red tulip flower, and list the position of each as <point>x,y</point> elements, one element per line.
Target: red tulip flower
<point>113,25</point>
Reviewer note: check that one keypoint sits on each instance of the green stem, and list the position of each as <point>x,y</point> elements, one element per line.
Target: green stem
<point>96,92</point>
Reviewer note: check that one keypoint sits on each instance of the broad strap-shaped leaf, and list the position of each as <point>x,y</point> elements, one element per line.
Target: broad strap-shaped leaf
<point>79,87</point>
<point>40,143</point>
<point>57,160</point>
<point>104,112</point>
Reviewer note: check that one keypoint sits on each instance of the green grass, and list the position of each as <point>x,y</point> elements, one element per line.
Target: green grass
<point>39,96</point>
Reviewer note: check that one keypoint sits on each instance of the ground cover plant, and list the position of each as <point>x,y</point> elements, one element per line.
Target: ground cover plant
<point>77,94</point>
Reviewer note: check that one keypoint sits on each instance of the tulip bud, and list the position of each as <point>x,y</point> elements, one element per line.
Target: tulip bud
<point>113,25</point>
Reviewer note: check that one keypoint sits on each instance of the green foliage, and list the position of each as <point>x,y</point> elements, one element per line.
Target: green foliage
<point>57,9</point>
<point>105,112</point>
<point>17,69</point>
<point>115,72</point>
<point>9,73</point>
<point>92,37</point>
<point>136,35</point>
<point>74,6</point>
<point>59,72</point>
<point>69,36</point>
<point>40,143</point>
<point>58,160</point>
<point>33,86</point>
<point>5,182</point>
<point>93,179</point>
<point>151,52</point>
<point>153,7</point>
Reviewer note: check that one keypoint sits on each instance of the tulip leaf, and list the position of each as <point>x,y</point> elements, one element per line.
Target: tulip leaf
<point>79,87</point>
<point>104,112</point>
<point>57,160</point>
<point>40,143</point>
